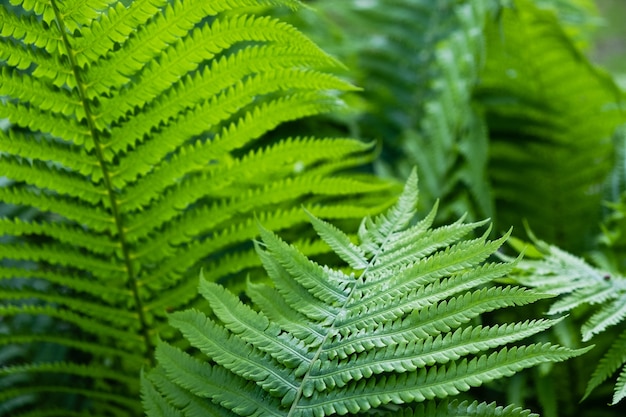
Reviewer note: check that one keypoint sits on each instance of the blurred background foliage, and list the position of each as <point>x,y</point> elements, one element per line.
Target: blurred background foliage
<point>610,38</point>
<point>507,108</point>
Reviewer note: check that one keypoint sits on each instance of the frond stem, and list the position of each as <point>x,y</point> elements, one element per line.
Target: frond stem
<point>108,185</point>
<point>292,410</point>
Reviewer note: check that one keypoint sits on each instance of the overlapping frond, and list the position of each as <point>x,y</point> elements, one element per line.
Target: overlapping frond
<point>392,329</point>
<point>580,284</point>
<point>138,145</point>
<point>418,64</point>
<point>548,122</point>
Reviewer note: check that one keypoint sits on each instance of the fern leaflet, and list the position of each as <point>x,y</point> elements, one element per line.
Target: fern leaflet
<point>579,284</point>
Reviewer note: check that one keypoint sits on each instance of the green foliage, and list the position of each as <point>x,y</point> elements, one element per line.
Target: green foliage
<point>580,284</point>
<point>499,108</point>
<point>578,18</point>
<point>418,64</point>
<point>135,150</point>
<point>550,126</point>
<point>468,91</point>
<point>143,140</point>
<point>395,328</point>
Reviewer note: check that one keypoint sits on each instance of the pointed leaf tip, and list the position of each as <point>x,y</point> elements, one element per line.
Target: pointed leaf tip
<point>339,242</point>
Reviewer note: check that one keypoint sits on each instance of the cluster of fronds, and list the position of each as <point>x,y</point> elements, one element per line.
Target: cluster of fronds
<point>468,92</point>
<point>419,63</point>
<point>579,284</point>
<point>143,140</point>
<point>134,148</point>
<point>395,329</point>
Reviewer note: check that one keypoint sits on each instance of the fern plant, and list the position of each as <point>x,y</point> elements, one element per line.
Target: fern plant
<point>469,92</point>
<point>580,285</point>
<point>419,62</point>
<point>550,126</point>
<point>396,328</point>
<point>135,150</point>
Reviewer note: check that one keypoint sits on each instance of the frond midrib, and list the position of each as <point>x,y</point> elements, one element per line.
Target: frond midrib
<point>106,177</point>
<point>343,310</point>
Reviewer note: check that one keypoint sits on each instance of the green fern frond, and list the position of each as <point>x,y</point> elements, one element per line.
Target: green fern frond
<point>394,330</point>
<point>559,272</point>
<point>620,387</point>
<point>419,64</point>
<point>580,284</point>
<point>139,144</point>
<point>608,365</point>
<point>542,119</point>
<point>454,408</point>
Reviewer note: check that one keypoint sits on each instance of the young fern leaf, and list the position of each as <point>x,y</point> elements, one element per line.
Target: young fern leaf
<point>137,146</point>
<point>396,335</point>
<point>578,283</point>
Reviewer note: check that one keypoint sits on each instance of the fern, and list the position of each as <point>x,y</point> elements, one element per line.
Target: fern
<point>393,330</point>
<point>468,91</point>
<point>135,148</point>
<point>451,142</point>
<point>419,64</point>
<point>580,284</point>
<point>579,19</point>
<point>546,123</point>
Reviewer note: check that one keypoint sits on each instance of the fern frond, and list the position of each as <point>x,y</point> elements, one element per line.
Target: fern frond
<point>79,284</point>
<point>96,218</point>
<point>46,67</point>
<point>139,143</point>
<point>545,117</point>
<point>609,364</point>
<point>28,31</point>
<point>620,387</point>
<point>454,408</point>
<point>322,341</point>
<point>610,315</point>
<point>37,119</point>
<point>70,157</point>
<point>432,321</point>
<point>199,379</point>
<point>89,310</point>
<point>340,243</point>
<point>419,65</point>
<point>580,284</point>
<point>437,382</point>
<point>584,284</point>
<point>413,354</point>
<point>61,232</point>
<point>40,95</point>
<point>44,176</point>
